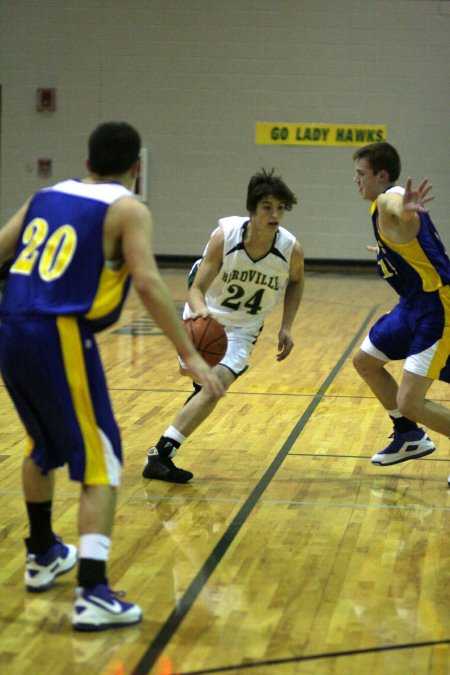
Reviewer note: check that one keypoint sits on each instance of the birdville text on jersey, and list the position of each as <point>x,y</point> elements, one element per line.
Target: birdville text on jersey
<point>252,276</point>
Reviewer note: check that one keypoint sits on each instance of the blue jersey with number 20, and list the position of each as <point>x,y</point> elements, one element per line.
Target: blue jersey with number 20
<point>59,266</point>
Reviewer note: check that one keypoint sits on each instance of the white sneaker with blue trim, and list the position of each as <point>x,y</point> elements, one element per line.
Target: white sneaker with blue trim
<point>409,445</point>
<point>42,570</point>
<point>100,608</point>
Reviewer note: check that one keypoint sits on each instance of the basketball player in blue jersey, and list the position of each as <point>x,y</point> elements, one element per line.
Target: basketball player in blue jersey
<point>412,259</point>
<point>74,248</point>
<point>249,265</point>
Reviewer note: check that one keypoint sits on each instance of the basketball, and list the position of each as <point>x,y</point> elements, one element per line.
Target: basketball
<point>209,338</point>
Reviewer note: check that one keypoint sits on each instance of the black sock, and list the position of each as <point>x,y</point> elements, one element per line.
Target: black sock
<point>165,445</point>
<point>41,535</point>
<point>403,424</point>
<point>91,572</point>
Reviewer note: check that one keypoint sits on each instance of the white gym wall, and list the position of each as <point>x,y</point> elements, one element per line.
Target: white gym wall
<point>194,76</point>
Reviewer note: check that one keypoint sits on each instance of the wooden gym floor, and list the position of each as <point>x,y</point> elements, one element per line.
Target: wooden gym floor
<point>289,553</point>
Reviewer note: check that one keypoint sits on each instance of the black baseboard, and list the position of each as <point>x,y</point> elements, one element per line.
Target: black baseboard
<point>328,265</point>
<point>175,260</point>
<point>311,264</point>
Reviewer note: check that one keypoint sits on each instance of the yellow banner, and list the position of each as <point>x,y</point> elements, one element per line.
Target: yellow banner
<point>291,133</point>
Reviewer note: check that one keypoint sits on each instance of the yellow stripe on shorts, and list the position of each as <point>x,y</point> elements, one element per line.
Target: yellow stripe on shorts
<point>29,447</point>
<point>443,351</point>
<point>74,365</point>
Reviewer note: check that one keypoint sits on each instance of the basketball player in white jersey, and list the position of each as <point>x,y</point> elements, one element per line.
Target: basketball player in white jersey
<point>249,265</point>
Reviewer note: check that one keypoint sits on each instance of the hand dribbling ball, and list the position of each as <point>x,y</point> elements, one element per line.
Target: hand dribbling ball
<point>209,338</point>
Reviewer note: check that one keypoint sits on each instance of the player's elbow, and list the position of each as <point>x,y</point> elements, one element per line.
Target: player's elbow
<point>144,283</point>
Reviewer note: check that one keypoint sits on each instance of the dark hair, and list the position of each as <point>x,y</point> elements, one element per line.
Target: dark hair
<point>113,148</point>
<point>266,183</point>
<point>381,156</point>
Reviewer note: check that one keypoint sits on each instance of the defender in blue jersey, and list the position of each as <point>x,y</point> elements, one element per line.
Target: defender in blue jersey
<point>71,251</point>
<point>412,259</point>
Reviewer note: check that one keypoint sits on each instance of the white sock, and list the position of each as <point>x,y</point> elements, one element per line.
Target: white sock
<point>394,413</point>
<point>171,432</point>
<point>95,546</point>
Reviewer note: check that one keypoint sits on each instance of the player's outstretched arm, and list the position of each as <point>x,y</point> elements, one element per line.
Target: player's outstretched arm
<point>405,207</point>
<point>131,221</point>
<point>292,298</point>
<point>206,273</point>
<point>398,215</point>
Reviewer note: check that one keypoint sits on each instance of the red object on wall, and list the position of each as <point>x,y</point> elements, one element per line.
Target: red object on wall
<point>46,99</point>
<point>44,167</point>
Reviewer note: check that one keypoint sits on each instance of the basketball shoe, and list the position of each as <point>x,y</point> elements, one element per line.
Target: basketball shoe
<point>409,445</point>
<point>42,570</point>
<point>162,468</point>
<point>100,608</point>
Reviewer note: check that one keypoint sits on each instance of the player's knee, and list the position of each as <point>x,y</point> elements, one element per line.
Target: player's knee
<point>366,365</point>
<point>216,399</point>
<point>361,362</point>
<point>409,406</point>
<point>210,397</point>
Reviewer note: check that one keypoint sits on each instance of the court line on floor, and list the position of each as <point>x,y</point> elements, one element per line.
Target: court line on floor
<point>358,397</point>
<point>176,617</point>
<point>269,502</point>
<point>159,390</point>
<point>315,657</point>
<point>324,455</point>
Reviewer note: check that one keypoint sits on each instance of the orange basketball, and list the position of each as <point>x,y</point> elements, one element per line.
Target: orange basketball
<point>209,338</point>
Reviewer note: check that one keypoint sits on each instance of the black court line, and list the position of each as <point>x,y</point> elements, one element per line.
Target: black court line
<point>185,603</point>
<point>322,455</point>
<point>296,394</point>
<point>315,657</point>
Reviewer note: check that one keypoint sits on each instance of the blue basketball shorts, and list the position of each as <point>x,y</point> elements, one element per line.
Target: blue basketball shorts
<point>52,370</point>
<point>417,331</point>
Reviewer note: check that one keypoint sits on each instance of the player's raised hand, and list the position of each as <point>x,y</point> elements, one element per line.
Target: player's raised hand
<point>415,200</point>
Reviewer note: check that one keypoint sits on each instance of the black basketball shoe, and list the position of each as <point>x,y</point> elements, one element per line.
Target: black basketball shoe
<point>162,468</point>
